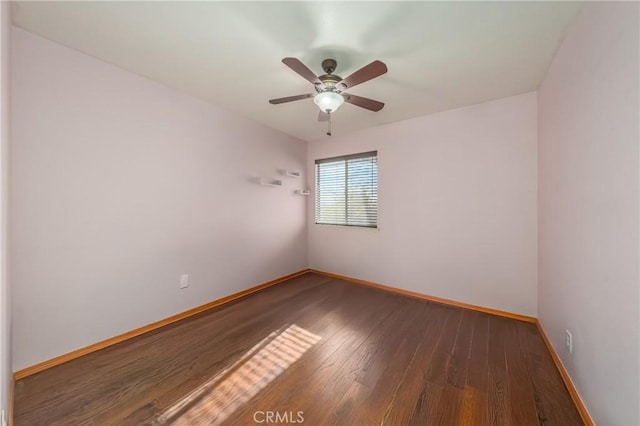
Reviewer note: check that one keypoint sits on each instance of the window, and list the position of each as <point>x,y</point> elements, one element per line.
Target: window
<point>347,190</point>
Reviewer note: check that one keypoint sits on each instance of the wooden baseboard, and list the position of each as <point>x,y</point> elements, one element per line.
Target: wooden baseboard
<point>25,372</point>
<point>12,391</point>
<point>575,396</point>
<point>441,300</point>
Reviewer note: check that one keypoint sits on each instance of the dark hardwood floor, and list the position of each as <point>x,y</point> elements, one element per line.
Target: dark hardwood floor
<point>313,350</point>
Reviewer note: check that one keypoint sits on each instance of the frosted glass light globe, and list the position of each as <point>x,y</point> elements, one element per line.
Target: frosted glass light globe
<point>328,101</point>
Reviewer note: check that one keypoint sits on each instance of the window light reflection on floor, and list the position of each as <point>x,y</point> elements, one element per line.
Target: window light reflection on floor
<point>212,402</point>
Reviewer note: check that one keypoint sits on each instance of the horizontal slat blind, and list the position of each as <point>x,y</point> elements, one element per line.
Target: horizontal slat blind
<point>347,190</point>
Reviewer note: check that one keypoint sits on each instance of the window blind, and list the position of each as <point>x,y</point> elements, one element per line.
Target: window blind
<point>347,190</point>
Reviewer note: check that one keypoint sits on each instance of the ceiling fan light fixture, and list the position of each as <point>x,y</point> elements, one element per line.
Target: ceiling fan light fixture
<point>328,101</point>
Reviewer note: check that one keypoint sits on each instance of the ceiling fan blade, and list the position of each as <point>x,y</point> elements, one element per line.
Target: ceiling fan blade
<point>301,69</point>
<point>366,73</point>
<point>365,103</point>
<point>323,116</point>
<point>290,99</point>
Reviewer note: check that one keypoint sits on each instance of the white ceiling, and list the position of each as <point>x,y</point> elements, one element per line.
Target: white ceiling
<point>440,55</point>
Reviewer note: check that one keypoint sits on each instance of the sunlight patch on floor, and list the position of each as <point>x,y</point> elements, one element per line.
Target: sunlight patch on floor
<point>215,400</point>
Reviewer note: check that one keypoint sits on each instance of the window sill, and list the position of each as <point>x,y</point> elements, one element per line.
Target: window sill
<point>328,225</point>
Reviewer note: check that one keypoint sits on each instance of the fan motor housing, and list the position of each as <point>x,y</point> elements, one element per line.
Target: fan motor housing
<point>330,79</point>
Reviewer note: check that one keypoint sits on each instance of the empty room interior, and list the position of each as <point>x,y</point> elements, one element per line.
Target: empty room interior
<point>349,213</point>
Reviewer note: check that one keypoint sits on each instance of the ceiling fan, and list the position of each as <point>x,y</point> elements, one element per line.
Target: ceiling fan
<point>330,87</point>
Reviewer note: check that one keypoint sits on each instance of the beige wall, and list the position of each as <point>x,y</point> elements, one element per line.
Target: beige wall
<point>457,206</point>
<point>588,208</point>
<point>119,185</point>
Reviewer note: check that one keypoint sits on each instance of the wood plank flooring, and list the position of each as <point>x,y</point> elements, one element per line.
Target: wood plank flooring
<point>312,350</point>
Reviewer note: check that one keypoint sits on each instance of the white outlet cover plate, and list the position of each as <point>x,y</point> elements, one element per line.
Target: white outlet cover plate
<point>184,281</point>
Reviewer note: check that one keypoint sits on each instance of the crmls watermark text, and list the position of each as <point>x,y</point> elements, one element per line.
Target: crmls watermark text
<point>287,417</point>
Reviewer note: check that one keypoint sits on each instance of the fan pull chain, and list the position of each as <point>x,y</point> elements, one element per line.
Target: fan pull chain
<point>329,123</point>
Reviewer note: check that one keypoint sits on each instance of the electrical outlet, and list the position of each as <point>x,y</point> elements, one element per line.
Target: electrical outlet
<point>568,341</point>
<point>184,281</point>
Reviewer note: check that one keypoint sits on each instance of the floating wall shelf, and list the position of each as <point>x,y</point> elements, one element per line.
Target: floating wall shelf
<point>291,173</point>
<point>270,182</point>
<point>303,192</point>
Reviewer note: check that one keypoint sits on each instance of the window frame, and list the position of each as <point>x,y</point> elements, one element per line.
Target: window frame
<point>346,159</point>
